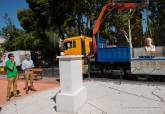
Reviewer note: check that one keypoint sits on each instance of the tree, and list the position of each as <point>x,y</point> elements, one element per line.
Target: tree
<point>9,30</point>
<point>26,19</point>
<point>156,21</point>
<point>35,22</point>
<point>54,19</point>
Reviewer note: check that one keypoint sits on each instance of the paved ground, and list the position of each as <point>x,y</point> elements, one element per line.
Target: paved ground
<point>107,97</point>
<point>40,85</point>
<point>104,97</point>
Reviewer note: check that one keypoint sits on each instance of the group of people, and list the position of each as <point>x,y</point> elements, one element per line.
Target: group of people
<point>12,75</point>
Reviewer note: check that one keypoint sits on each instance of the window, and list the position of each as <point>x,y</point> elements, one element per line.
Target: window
<point>68,45</point>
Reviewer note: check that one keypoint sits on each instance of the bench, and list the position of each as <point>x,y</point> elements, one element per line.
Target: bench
<point>37,72</point>
<point>21,75</point>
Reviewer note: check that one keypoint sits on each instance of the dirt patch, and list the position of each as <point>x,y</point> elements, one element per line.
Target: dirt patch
<point>40,85</point>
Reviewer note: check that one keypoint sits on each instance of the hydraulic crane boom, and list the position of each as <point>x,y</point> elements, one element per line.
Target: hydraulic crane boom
<point>113,5</point>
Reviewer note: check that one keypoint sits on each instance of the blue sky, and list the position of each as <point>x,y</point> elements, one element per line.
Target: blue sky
<point>10,7</point>
<point>145,13</point>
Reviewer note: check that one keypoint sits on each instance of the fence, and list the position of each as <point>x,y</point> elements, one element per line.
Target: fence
<point>50,72</point>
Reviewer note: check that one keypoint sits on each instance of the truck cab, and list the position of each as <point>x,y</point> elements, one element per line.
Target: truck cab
<point>79,45</point>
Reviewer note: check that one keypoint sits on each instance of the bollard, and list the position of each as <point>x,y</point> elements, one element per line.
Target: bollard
<point>73,94</point>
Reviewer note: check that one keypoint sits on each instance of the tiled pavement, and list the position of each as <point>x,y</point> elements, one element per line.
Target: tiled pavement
<point>104,97</point>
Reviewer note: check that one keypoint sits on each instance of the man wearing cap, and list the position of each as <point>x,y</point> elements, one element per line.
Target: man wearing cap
<point>12,76</point>
<point>27,66</point>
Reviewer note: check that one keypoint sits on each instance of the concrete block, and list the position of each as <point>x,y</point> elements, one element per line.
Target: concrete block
<point>71,103</point>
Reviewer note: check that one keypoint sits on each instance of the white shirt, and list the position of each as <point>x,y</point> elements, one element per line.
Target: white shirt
<point>27,64</point>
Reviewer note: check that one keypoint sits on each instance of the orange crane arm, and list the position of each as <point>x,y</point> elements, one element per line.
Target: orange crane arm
<point>104,10</point>
<point>97,25</point>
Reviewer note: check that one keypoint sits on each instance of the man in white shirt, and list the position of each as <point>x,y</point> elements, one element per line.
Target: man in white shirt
<point>27,66</point>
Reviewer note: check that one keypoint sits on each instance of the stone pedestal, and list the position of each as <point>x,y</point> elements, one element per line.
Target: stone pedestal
<point>73,95</point>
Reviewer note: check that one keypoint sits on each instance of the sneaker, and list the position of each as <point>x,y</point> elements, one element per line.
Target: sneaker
<point>7,98</point>
<point>17,95</point>
<point>27,91</point>
<point>32,89</point>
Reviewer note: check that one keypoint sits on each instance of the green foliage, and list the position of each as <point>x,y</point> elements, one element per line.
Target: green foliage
<point>26,19</point>
<point>47,21</point>
<point>18,39</point>
<point>156,21</point>
<point>9,30</point>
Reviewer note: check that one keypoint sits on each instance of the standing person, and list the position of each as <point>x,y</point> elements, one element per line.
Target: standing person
<point>12,76</point>
<point>27,66</point>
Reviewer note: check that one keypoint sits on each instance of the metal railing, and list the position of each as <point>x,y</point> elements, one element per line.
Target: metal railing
<point>50,72</point>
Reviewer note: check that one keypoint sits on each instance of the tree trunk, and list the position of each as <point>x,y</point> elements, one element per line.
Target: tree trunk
<point>61,32</point>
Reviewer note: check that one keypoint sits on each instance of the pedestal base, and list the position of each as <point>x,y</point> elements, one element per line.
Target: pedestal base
<point>71,103</point>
